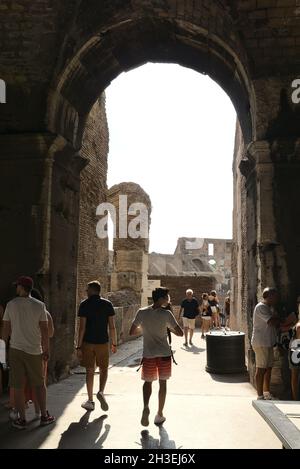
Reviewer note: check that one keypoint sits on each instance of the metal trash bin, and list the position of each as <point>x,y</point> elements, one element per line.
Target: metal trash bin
<point>225,352</point>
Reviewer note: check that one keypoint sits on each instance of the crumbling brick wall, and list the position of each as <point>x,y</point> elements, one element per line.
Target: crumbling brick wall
<point>179,284</point>
<point>93,251</point>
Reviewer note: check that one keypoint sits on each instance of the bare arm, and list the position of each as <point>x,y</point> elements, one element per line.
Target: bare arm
<point>134,330</point>
<point>6,330</point>
<point>45,338</point>
<point>112,333</point>
<point>82,325</point>
<point>178,331</point>
<point>50,325</point>
<point>288,322</point>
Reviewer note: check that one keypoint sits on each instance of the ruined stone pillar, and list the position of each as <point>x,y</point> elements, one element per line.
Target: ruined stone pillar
<point>130,250</point>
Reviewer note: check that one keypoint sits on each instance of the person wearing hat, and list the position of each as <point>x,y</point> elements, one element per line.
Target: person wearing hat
<point>25,322</point>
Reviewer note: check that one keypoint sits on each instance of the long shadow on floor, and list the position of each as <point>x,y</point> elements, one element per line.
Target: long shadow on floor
<point>59,397</point>
<point>163,442</point>
<point>193,349</point>
<point>85,434</point>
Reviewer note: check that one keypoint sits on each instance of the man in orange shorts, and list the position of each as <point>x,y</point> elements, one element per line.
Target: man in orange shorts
<point>96,316</point>
<point>155,320</point>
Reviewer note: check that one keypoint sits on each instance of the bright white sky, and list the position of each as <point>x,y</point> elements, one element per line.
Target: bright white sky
<point>172,131</point>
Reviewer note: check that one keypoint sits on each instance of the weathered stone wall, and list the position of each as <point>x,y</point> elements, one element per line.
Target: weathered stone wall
<point>192,256</point>
<point>31,37</point>
<point>60,277</point>
<point>93,251</point>
<point>132,207</point>
<point>25,199</point>
<point>179,285</point>
<point>286,157</point>
<point>58,57</point>
<point>123,320</point>
<point>265,254</point>
<point>239,311</point>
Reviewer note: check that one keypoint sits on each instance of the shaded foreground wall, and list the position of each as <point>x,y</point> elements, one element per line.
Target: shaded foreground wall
<point>253,52</point>
<point>74,205</point>
<point>93,251</point>
<point>266,238</point>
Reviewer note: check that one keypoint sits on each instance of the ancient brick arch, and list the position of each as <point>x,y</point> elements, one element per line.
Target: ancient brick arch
<point>56,59</point>
<point>200,42</point>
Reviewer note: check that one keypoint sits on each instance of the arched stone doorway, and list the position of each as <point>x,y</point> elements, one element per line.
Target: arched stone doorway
<point>159,37</point>
<point>108,51</point>
<point>43,155</point>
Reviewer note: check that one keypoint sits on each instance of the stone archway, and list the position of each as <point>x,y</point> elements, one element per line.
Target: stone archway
<point>103,51</point>
<point>244,47</point>
<point>108,50</point>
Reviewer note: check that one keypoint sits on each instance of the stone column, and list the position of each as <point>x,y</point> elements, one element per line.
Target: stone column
<point>271,261</point>
<point>63,263</point>
<point>39,220</point>
<point>276,201</point>
<point>130,254</point>
<point>25,198</point>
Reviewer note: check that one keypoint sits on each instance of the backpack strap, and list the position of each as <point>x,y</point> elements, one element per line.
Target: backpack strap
<point>141,364</point>
<point>172,354</point>
<point>170,344</point>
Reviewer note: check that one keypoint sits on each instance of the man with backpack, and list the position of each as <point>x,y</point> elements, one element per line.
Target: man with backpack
<point>154,321</point>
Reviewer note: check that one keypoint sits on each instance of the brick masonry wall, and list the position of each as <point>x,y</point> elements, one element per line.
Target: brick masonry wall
<point>179,285</point>
<point>31,36</point>
<point>93,252</point>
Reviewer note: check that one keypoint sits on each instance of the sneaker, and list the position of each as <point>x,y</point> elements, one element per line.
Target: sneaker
<point>159,420</point>
<point>185,344</point>
<point>47,419</point>
<point>145,417</point>
<point>19,424</point>
<point>191,343</point>
<point>88,405</point>
<point>102,400</point>
<point>260,398</point>
<point>269,397</point>
<point>13,415</point>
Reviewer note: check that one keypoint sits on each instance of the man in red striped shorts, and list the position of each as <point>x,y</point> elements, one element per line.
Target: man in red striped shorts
<point>154,321</point>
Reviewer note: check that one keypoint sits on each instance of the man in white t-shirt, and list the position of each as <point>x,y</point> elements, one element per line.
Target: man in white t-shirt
<point>264,337</point>
<point>25,322</point>
<point>155,321</point>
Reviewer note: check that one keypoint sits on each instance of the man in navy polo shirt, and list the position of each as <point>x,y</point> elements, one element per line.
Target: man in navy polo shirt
<point>191,309</point>
<point>96,316</point>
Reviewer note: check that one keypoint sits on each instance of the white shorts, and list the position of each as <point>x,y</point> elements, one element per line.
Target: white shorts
<point>190,323</point>
<point>206,318</point>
